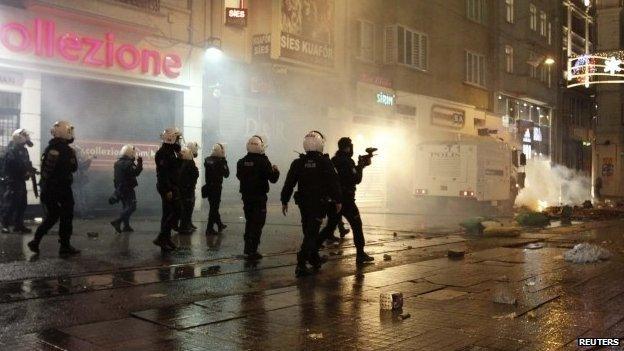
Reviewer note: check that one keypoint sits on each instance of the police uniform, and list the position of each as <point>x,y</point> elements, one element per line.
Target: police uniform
<point>18,169</point>
<point>58,165</point>
<point>188,175</point>
<point>350,175</point>
<point>216,169</point>
<point>167,167</point>
<point>317,186</point>
<point>126,173</point>
<point>254,172</point>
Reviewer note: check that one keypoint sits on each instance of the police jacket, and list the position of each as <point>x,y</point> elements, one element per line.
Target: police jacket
<point>187,177</point>
<point>349,174</point>
<point>167,167</point>
<point>17,164</point>
<point>216,169</point>
<point>255,172</point>
<point>315,177</point>
<point>126,172</point>
<point>57,165</point>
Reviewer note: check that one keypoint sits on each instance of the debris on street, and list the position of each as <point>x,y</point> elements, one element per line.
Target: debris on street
<point>586,253</point>
<point>502,231</point>
<point>504,295</point>
<point>315,336</point>
<point>93,234</point>
<point>392,300</point>
<point>535,246</point>
<point>387,257</point>
<point>511,315</point>
<point>582,213</point>
<point>456,253</point>
<point>473,225</point>
<point>532,219</point>
<point>405,316</point>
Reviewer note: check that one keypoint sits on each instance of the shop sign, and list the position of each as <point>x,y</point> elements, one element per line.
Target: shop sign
<point>307,32</point>
<point>41,39</point>
<point>104,153</point>
<point>447,117</point>
<point>236,17</point>
<point>386,99</point>
<point>375,80</point>
<point>14,79</point>
<point>261,45</point>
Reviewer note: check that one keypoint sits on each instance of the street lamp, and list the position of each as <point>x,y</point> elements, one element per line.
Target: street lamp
<point>213,49</point>
<point>549,61</point>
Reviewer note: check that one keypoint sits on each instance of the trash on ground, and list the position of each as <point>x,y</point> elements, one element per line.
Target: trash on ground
<point>392,300</point>
<point>535,246</point>
<point>387,257</point>
<point>315,336</point>
<point>394,234</point>
<point>405,316</point>
<point>473,225</point>
<point>504,295</point>
<point>530,283</point>
<point>532,219</point>
<point>586,253</point>
<point>511,315</point>
<point>455,253</point>
<point>93,234</point>
<point>531,315</point>
<point>502,231</point>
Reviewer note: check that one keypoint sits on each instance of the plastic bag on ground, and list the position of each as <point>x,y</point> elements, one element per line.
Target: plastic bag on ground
<point>586,253</point>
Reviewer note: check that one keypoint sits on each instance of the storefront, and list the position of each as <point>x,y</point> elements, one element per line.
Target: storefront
<point>115,85</point>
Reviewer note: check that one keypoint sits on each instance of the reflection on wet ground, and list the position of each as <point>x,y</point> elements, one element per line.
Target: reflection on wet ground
<point>450,302</point>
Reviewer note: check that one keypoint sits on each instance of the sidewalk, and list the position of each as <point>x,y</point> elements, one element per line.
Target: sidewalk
<point>449,302</point>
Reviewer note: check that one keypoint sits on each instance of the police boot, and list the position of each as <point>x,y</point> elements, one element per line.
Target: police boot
<point>343,231</point>
<point>362,258</point>
<point>163,243</point>
<point>302,271</point>
<point>332,239</point>
<point>127,229</point>
<point>67,250</point>
<point>221,227</point>
<point>33,245</point>
<point>117,225</point>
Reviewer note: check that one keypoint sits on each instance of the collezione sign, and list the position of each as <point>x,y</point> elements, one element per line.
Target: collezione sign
<point>40,38</point>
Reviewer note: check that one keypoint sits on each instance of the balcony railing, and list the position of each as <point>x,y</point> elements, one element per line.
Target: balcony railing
<point>146,5</point>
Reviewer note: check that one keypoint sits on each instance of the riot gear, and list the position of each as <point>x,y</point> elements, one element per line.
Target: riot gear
<point>167,168</point>
<point>126,173</point>
<point>128,151</point>
<point>314,141</point>
<point>216,169</point>
<point>186,153</point>
<point>21,137</point>
<point>187,180</point>
<point>194,147</point>
<point>317,187</point>
<point>57,166</point>
<point>18,169</point>
<point>255,172</point>
<point>171,135</point>
<point>255,145</point>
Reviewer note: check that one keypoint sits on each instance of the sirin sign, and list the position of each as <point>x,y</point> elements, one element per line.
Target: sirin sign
<point>42,40</point>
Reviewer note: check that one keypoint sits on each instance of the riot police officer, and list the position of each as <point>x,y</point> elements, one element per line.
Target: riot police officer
<point>167,168</point>
<point>317,186</point>
<point>350,176</point>
<point>255,172</point>
<point>126,173</point>
<point>188,175</point>
<point>58,164</point>
<point>216,169</point>
<point>17,170</point>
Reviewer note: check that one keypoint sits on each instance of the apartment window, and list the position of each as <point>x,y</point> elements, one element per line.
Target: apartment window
<point>532,65</point>
<point>411,48</point>
<point>508,59</point>
<point>548,68</point>
<point>543,73</point>
<point>533,17</point>
<point>475,10</point>
<point>475,69</point>
<point>509,6</point>
<point>366,41</point>
<point>543,23</point>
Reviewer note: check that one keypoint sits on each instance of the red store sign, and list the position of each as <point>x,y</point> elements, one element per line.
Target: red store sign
<point>40,38</point>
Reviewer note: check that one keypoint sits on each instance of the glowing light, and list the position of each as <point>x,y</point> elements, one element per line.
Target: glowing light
<point>612,65</point>
<point>587,3</point>
<point>213,53</point>
<point>541,205</point>
<point>549,61</point>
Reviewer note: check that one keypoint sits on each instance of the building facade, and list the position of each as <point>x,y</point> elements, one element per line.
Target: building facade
<point>119,71</point>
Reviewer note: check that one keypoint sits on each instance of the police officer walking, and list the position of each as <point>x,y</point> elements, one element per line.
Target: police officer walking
<point>167,168</point>
<point>317,186</point>
<point>255,172</point>
<point>58,164</point>
<point>350,175</point>
<point>126,173</point>
<point>216,169</point>
<point>188,175</point>
<point>18,169</point>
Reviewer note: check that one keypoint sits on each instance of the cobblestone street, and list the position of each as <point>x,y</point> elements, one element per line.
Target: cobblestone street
<point>206,298</point>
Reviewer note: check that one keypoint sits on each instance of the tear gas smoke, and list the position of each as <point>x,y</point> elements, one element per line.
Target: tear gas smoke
<point>548,185</point>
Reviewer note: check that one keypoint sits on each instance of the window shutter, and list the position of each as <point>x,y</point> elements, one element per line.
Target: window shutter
<point>358,35</point>
<point>390,45</point>
<point>416,50</point>
<point>423,52</point>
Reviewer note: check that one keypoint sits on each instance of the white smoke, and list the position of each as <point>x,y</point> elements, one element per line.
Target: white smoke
<point>548,185</point>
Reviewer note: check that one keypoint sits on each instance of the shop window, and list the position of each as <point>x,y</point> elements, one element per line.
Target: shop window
<point>366,41</point>
<point>475,69</point>
<point>9,117</point>
<point>533,17</point>
<point>508,58</point>
<point>509,7</point>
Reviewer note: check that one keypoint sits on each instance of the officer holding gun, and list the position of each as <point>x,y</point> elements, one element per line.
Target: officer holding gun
<point>350,176</point>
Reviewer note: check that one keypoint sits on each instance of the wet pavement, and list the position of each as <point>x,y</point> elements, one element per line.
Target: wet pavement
<point>122,294</point>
